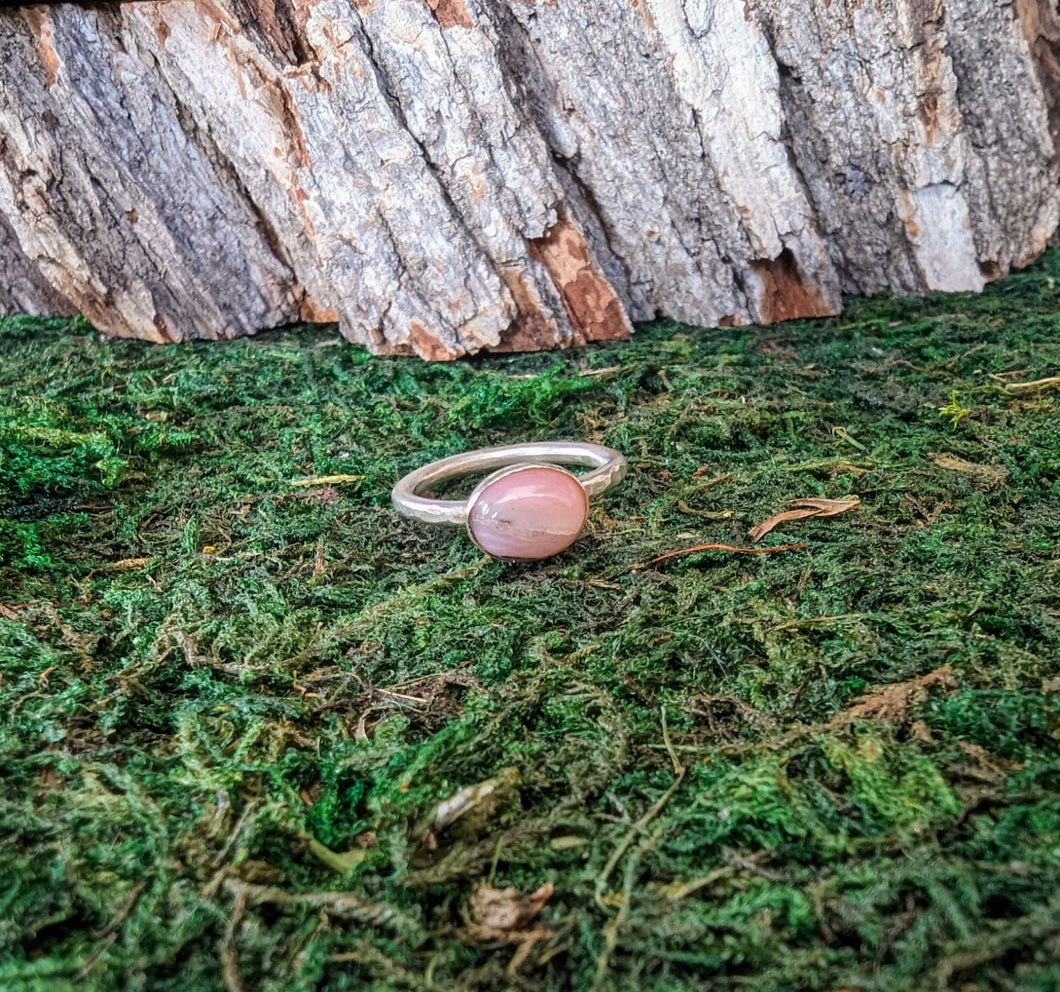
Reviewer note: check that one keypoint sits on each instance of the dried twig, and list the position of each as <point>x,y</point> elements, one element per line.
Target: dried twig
<point>1053,380</point>
<point>227,947</point>
<point>614,926</point>
<point>325,480</point>
<point>730,548</point>
<point>344,904</point>
<point>218,865</point>
<point>125,565</point>
<point>656,808</point>
<point>123,914</point>
<point>716,481</point>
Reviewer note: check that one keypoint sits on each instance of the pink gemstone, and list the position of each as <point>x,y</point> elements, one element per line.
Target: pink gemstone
<point>532,512</point>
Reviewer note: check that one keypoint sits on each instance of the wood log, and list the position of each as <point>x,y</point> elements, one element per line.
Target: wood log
<point>450,176</point>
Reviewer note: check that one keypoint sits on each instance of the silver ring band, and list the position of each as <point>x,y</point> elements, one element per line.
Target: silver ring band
<point>608,467</point>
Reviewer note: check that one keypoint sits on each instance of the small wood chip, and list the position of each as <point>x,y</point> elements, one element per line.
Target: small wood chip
<point>460,803</point>
<point>991,475</point>
<point>505,914</point>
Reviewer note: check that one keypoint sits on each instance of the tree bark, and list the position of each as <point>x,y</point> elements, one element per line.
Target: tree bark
<point>450,176</point>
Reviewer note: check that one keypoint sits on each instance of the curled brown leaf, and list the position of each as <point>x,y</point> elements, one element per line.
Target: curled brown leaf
<point>894,703</point>
<point>801,509</point>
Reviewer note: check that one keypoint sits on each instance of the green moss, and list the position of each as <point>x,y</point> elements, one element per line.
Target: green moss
<point>214,675</point>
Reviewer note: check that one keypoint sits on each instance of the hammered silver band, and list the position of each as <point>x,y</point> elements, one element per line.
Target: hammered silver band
<point>608,468</point>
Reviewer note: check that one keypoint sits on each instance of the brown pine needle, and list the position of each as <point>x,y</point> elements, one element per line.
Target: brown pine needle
<point>730,548</point>
<point>801,509</point>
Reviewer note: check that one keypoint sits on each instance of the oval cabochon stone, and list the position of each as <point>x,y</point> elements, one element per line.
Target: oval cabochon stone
<point>528,513</point>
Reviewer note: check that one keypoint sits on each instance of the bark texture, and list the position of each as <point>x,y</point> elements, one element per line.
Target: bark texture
<point>450,176</point>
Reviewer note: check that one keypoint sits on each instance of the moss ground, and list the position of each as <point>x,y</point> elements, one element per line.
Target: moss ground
<point>235,687</point>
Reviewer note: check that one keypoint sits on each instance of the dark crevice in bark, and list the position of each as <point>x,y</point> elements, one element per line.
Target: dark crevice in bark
<point>451,344</point>
<point>278,26</point>
<point>231,179</point>
<point>1040,23</point>
<point>590,213</point>
<point>521,69</point>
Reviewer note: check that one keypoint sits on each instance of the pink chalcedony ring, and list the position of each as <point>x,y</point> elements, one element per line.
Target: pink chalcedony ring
<point>528,508</point>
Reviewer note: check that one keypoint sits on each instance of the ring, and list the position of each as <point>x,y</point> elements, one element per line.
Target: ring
<point>529,508</point>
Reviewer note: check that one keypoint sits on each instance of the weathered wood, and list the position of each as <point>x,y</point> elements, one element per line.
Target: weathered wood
<point>449,176</point>
<point>23,289</point>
